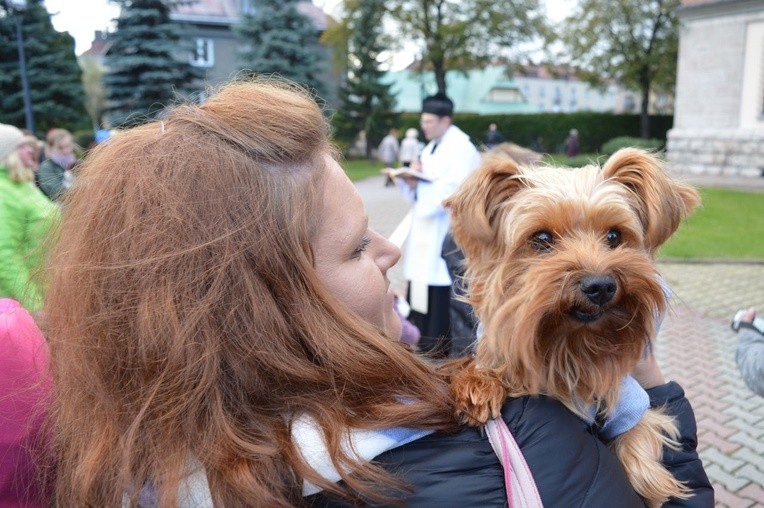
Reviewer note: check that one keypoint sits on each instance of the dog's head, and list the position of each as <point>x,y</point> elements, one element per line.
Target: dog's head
<point>560,268</point>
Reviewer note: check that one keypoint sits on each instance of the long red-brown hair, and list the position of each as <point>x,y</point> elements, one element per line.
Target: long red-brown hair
<point>187,323</point>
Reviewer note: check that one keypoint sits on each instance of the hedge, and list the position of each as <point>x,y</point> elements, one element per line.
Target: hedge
<point>546,132</point>
<point>616,144</point>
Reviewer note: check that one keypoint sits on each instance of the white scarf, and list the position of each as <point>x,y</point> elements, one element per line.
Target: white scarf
<point>363,445</point>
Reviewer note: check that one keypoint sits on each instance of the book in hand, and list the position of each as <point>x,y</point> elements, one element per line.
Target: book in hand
<point>393,173</point>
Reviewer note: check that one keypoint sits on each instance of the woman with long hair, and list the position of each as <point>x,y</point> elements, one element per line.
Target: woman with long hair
<point>222,330</point>
<point>199,305</point>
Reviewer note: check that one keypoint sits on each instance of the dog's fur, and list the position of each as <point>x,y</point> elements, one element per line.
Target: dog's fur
<point>560,270</point>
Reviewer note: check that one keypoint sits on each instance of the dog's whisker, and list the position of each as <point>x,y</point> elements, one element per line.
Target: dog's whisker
<point>629,322</point>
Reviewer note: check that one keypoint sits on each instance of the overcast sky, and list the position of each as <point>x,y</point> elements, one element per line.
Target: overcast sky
<point>81,18</point>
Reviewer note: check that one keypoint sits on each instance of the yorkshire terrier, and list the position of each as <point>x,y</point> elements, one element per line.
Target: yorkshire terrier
<point>561,273</point>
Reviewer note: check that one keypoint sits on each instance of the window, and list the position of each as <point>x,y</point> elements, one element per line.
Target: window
<point>504,95</point>
<point>247,7</point>
<point>557,98</point>
<point>204,53</point>
<point>752,92</point>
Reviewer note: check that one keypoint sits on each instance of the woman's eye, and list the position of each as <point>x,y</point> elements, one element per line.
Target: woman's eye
<point>542,241</point>
<point>361,247</point>
<point>613,238</point>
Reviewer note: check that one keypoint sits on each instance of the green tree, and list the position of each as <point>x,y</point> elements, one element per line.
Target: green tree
<point>366,102</point>
<point>464,34</point>
<point>281,40</point>
<point>635,43</point>
<point>54,76</point>
<point>147,62</point>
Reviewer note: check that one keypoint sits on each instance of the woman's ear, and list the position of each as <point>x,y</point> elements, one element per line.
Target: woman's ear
<point>476,203</point>
<point>662,203</point>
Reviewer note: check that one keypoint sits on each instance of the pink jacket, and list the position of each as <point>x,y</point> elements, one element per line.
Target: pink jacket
<point>24,385</point>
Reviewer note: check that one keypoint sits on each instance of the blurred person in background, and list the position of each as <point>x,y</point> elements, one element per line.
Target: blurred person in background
<point>572,143</point>
<point>387,152</point>
<point>55,171</point>
<point>24,386</point>
<point>410,148</point>
<point>749,354</point>
<point>26,216</point>
<point>446,161</point>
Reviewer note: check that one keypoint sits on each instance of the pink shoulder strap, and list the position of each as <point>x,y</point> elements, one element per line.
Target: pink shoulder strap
<point>521,489</point>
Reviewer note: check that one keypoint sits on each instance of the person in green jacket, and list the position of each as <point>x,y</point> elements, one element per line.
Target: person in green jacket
<point>26,216</point>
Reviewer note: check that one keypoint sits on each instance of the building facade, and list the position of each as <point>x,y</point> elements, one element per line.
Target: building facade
<point>208,26</point>
<point>560,90</point>
<point>530,89</point>
<point>719,111</point>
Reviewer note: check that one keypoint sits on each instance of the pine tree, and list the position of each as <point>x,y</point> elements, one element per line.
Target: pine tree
<point>280,40</point>
<point>54,76</point>
<point>146,71</point>
<point>366,101</point>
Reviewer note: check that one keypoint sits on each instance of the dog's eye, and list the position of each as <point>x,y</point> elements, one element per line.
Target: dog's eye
<point>542,241</point>
<point>613,238</point>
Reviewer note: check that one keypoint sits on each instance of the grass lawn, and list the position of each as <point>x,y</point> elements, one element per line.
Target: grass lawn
<point>729,224</point>
<point>580,160</point>
<point>358,169</point>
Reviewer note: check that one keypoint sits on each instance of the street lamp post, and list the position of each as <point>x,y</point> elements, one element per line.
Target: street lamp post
<point>19,6</point>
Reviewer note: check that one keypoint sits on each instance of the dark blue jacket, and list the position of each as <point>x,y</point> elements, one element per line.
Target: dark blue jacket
<point>571,466</point>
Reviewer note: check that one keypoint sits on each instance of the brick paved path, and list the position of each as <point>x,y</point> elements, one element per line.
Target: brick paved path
<point>695,347</point>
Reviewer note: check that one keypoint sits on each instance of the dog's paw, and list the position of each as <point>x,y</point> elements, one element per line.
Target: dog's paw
<point>478,394</point>
<point>640,451</point>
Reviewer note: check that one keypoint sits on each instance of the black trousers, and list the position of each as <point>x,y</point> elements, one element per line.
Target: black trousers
<point>435,326</point>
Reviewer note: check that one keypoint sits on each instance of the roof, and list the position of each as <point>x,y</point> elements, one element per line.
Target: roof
<point>227,12</point>
<point>715,9</point>
<point>99,47</point>
<point>211,8</point>
<point>545,72</point>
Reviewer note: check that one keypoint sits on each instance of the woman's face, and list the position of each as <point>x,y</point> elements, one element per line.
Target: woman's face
<point>64,146</point>
<point>351,259</point>
<point>26,155</point>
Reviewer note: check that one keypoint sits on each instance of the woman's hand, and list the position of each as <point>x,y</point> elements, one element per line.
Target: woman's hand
<point>647,372</point>
<point>748,316</point>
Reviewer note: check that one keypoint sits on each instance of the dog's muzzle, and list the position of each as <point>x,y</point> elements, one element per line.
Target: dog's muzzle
<point>599,290</point>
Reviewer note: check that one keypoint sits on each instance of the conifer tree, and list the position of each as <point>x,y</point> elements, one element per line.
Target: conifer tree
<point>280,40</point>
<point>366,102</point>
<point>54,77</point>
<point>146,65</point>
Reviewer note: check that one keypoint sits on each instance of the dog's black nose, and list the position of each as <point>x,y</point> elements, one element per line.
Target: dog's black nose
<point>600,289</point>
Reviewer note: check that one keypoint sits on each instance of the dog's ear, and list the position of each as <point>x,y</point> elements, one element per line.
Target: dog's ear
<point>476,203</point>
<point>662,203</point>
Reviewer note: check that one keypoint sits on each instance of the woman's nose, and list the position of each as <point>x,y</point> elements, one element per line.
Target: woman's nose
<point>389,253</point>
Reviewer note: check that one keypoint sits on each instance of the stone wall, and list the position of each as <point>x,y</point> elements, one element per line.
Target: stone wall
<point>714,134</point>
<point>716,152</point>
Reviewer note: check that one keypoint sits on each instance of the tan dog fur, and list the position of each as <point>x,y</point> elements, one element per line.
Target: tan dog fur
<point>531,237</point>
